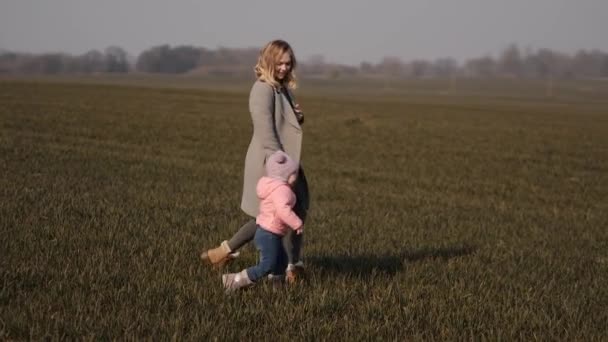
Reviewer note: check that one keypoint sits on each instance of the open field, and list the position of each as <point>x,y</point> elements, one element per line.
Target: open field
<point>438,212</point>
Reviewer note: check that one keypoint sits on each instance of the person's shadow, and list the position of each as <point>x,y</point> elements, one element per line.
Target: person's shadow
<point>364,265</point>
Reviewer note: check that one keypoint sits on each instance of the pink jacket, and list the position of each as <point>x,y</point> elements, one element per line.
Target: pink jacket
<point>276,203</point>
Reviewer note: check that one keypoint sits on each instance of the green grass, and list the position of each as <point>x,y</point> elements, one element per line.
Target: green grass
<point>480,212</point>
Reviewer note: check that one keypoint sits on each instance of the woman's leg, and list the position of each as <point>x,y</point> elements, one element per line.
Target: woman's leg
<point>293,245</point>
<point>293,241</point>
<point>281,261</point>
<point>220,255</point>
<point>242,236</point>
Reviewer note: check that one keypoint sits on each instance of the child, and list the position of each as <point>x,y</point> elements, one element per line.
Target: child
<point>276,216</point>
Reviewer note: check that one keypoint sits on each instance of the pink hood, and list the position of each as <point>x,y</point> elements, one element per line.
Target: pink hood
<point>267,185</point>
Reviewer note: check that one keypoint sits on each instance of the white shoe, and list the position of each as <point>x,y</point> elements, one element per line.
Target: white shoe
<point>295,272</point>
<point>235,281</point>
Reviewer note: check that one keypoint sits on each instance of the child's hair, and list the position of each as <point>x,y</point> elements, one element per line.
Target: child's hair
<point>269,56</point>
<point>280,166</point>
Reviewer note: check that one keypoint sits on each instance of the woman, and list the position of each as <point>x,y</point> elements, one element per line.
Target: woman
<point>277,121</point>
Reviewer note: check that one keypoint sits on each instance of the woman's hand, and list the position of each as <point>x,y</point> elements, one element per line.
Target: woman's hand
<point>299,113</point>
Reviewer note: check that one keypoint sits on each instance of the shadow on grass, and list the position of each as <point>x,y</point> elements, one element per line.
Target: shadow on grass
<point>362,265</point>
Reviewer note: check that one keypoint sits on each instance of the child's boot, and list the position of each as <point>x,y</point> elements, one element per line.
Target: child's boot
<point>295,272</point>
<point>235,281</point>
<point>218,257</point>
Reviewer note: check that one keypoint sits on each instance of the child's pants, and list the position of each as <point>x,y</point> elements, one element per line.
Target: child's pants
<point>273,259</point>
<point>291,241</point>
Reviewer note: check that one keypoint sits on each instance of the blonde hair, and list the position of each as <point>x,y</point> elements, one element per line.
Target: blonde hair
<point>265,69</point>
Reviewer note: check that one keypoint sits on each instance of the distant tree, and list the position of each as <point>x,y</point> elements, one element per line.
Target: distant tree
<point>544,63</point>
<point>92,61</point>
<point>481,67</point>
<point>164,59</point>
<point>207,57</point>
<point>246,56</point>
<point>366,68</point>
<point>50,63</point>
<point>8,62</point>
<point>445,67</point>
<point>392,66</point>
<point>184,58</point>
<point>315,64</point>
<point>510,61</point>
<point>116,59</point>
<point>226,56</point>
<point>604,70</point>
<point>151,60</point>
<point>420,69</point>
<point>589,63</point>
<point>73,64</point>
<point>553,64</point>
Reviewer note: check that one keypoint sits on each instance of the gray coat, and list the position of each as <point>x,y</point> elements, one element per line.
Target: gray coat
<point>275,127</point>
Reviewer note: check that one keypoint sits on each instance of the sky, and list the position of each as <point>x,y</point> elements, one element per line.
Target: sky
<point>343,31</point>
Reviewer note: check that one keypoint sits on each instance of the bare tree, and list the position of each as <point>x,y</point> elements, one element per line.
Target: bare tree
<point>481,67</point>
<point>392,66</point>
<point>116,59</point>
<point>511,62</point>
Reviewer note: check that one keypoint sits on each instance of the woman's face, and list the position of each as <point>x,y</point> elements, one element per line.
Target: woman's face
<point>283,66</point>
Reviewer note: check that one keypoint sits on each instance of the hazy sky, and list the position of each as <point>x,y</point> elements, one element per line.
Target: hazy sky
<point>343,31</point>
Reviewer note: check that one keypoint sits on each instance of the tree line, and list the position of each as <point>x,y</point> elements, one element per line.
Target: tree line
<point>511,62</point>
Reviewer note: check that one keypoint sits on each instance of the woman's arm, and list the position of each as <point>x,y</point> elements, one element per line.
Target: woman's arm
<point>295,106</point>
<point>261,107</point>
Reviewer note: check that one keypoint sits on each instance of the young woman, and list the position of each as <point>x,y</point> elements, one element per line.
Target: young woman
<point>277,121</point>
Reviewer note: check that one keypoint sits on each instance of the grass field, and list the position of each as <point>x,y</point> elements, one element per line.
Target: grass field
<point>472,212</point>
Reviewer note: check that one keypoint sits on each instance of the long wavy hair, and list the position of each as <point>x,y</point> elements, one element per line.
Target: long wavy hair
<point>265,69</point>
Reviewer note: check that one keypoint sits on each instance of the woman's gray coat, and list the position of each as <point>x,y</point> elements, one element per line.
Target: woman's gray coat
<point>275,127</point>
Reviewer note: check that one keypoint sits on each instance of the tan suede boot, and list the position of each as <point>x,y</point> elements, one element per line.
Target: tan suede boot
<point>219,256</point>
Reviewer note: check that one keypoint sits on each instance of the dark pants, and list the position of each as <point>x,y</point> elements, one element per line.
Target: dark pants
<point>273,259</point>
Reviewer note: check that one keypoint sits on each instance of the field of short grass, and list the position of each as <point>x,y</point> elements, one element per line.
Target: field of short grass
<point>439,211</point>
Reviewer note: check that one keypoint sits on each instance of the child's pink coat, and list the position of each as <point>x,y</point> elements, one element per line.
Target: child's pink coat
<point>276,206</point>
